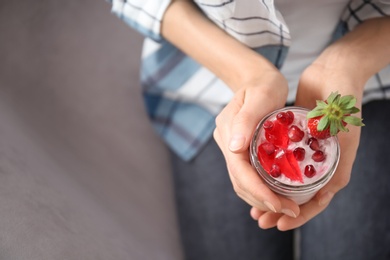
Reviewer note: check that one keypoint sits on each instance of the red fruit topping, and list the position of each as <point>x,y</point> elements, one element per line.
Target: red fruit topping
<point>295,166</point>
<point>312,125</point>
<point>275,171</point>
<point>318,156</point>
<point>277,135</point>
<point>268,148</point>
<point>268,125</point>
<point>313,144</point>
<point>265,155</point>
<point>310,171</point>
<point>299,153</point>
<point>283,118</point>
<point>295,133</point>
<point>332,115</point>
<point>290,117</point>
<point>288,165</point>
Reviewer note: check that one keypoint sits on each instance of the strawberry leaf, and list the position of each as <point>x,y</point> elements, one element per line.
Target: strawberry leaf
<point>332,97</point>
<point>353,120</point>
<point>333,127</point>
<point>315,113</point>
<point>320,104</point>
<point>348,102</point>
<point>353,110</point>
<point>335,112</point>
<point>323,124</point>
<point>341,127</point>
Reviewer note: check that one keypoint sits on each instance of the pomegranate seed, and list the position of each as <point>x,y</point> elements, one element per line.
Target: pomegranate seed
<point>295,134</point>
<point>282,118</point>
<point>275,171</point>
<point>268,125</point>
<point>268,148</point>
<point>290,117</point>
<point>313,144</point>
<point>299,153</point>
<point>318,156</point>
<point>310,171</point>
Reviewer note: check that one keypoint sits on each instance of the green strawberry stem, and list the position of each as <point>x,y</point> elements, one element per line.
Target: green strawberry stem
<point>335,113</point>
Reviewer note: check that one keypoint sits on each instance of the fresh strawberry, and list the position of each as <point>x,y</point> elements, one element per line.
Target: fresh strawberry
<point>331,116</point>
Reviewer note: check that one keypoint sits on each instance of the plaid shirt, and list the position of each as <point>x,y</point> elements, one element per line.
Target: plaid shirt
<point>182,97</point>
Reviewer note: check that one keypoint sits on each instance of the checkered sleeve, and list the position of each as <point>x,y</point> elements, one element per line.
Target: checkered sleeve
<point>358,11</point>
<point>143,15</point>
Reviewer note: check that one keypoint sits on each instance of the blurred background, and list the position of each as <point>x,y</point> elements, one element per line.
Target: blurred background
<point>82,173</point>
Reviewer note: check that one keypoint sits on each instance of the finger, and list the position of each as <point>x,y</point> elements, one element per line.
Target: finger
<point>342,175</point>
<point>316,205</point>
<point>248,184</point>
<point>269,220</point>
<point>242,176</point>
<point>256,213</point>
<point>247,118</point>
<point>288,207</point>
<point>223,123</point>
<point>241,173</point>
<point>308,211</point>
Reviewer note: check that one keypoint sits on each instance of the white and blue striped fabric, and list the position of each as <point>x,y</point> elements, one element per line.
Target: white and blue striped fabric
<point>182,97</point>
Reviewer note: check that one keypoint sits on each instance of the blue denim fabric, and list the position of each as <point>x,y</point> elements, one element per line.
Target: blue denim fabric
<point>215,223</point>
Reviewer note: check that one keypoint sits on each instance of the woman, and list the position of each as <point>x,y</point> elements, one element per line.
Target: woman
<point>221,61</point>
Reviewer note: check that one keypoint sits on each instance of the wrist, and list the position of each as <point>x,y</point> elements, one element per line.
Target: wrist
<point>253,70</point>
<point>270,83</point>
<point>319,80</point>
<point>230,60</point>
<point>361,53</point>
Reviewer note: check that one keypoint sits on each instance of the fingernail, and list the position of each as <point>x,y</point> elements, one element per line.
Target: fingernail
<point>270,206</point>
<point>325,198</point>
<point>289,213</point>
<point>237,142</point>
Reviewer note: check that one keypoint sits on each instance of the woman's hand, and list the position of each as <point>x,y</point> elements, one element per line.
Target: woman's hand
<point>317,83</point>
<point>235,126</point>
<point>345,66</point>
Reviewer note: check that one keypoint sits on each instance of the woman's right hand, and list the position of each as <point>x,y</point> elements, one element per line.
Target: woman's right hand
<point>234,129</point>
<point>258,86</point>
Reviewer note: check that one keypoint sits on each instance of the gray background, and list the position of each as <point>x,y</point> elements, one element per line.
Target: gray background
<point>82,173</point>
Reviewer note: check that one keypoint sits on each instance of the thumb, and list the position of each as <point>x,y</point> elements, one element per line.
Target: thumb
<point>243,126</point>
<point>253,104</point>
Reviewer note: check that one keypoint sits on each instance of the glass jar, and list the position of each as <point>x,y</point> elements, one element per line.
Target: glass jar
<point>299,191</point>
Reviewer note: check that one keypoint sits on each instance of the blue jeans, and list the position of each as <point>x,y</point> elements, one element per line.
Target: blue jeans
<point>215,224</point>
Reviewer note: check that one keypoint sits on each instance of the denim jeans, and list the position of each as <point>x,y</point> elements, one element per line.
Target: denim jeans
<point>215,224</point>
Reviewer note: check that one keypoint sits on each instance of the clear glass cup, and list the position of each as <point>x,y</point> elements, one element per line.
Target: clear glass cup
<point>298,191</point>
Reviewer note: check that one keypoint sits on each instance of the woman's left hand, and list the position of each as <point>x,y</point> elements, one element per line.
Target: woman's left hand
<point>316,84</point>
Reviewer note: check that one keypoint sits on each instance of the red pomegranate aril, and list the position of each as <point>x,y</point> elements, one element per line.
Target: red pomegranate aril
<point>295,133</point>
<point>299,153</point>
<point>282,118</point>
<point>268,148</point>
<point>318,156</point>
<point>313,144</point>
<point>268,125</point>
<point>275,171</point>
<point>290,117</point>
<point>310,171</point>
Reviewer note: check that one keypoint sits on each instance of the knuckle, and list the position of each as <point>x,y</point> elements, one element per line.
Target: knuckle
<point>216,135</point>
<point>243,117</point>
<point>254,192</point>
<point>218,120</point>
<point>237,190</point>
<point>343,181</point>
<point>237,183</point>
